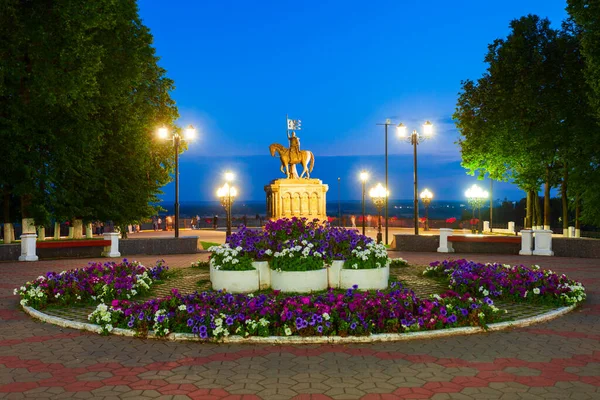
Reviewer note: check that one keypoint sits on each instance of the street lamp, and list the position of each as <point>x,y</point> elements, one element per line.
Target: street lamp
<point>415,138</point>
<point>386,124</point>
<point>364,177</point>
<point>227,195</point>
<point>426,197</point>
<point>379,195</point>
<point>476,197</point>
<point>189,134</point>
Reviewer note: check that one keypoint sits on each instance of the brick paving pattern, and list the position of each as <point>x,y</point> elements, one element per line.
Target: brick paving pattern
<point>555,360</point>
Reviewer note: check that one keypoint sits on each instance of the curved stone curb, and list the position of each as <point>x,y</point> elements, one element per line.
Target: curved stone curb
<point>379,337</point>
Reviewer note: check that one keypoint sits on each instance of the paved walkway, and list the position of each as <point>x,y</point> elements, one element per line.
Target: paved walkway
<point>559,359</point>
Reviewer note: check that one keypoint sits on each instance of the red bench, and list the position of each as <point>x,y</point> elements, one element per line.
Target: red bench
<point>485,239</point>
<point>72,243</point>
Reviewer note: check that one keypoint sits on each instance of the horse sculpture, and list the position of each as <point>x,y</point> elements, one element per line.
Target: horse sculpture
<point>288,165</point>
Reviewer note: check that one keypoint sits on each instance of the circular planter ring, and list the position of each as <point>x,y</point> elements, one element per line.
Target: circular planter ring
<point>264,274</point>
<point>379,337</point>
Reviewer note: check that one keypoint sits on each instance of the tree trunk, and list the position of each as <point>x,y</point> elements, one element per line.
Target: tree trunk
<point>538,210</point>
<point>547,199</point>
<point>577,211</point>
<point>529,210</point>
<point>565,202</point>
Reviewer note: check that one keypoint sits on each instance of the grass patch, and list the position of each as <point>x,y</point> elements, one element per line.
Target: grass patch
<point>208,245</point>
<point>201,264</point>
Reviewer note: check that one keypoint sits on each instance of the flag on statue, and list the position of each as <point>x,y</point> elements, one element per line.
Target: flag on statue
<point>294,124</point>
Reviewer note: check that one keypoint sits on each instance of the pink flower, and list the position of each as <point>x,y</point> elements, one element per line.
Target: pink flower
<point>114,303</point>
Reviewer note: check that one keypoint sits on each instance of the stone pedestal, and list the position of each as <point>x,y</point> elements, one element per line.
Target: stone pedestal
<point>445,244</point>
<point>302,198</point>
<point>526,242</point>
<point>28,247</point>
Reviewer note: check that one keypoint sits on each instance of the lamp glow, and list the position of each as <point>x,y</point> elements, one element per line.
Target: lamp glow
<point>428,128</point>
<point>163,133</point>
<point>426,195</point>
<point>190,133</point>
<point>364,176</point>
<point>229,176</point>
<point>401,130</point>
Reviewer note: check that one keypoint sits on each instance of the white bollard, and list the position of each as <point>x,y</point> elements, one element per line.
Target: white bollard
<point>486,226</point>
<point>577,232</point>
<point>113,249</point>
<point>571,231</point>
<point>566,232</point>
<point>526,242</point>
<point>543,243</point>
<point>445,245</point>
<point>511,226</point>
<point>28,247</point>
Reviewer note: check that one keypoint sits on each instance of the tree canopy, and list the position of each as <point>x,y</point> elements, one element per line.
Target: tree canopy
<point>81,95</point>
<point>527,120</point>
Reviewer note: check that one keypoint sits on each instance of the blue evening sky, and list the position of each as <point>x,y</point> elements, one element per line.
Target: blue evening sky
<point>340,67</point>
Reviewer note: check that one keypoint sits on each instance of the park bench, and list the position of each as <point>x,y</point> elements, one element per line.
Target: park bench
<point>542,239</point>
<point>29,244</point>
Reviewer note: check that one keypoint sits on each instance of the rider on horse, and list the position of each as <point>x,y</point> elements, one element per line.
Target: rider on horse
<point>295,156</point>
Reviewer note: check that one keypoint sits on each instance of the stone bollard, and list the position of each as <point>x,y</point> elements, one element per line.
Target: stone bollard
<point>28,241</point>
<point>445,245</point>
<point>526,242</point>
<point>511,226</point>
<point>8,233</point>
<point>41,232</point>
<point>571,231</point>
<point>486,226</point>
<point>543,243</point>
<point>113,249</point>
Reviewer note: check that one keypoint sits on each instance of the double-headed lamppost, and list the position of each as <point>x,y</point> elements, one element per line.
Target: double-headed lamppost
<point>476,197</point>
<point>426,197</point>
<point>227,195</point>
<point>364,177</point>
<point>379,195</point>
<point>415,138</point>
<point>189,134</point>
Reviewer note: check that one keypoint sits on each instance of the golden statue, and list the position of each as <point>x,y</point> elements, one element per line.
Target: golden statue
<point>292,156</point>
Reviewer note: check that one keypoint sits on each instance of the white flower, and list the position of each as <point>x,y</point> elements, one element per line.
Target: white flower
<point>536,290</point>
<point>288,331</point>
<point>326,316</point>
<point>182,307</point>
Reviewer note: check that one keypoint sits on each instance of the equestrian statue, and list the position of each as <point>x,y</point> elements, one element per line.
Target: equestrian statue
<point>293,156</point>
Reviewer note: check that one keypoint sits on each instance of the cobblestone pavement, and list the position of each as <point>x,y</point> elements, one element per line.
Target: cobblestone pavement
<point>555,360</point>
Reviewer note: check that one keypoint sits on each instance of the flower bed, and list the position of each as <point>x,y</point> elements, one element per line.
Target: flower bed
<point>96,282</point>
<point>213,315</point>
<point>517,283</point>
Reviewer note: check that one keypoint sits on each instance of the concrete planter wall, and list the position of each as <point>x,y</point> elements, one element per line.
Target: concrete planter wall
<point>333,273</point>
<point>234,281</point>
<point>299,281</point>
<point>264,273</point>
<point>366,279</point>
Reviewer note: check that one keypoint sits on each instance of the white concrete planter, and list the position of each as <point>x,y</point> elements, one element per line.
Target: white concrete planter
<point>299,281</point>
<point>366,279</point>
<point>234,281</point>
<point>333,273</point>
<point>264,273</point>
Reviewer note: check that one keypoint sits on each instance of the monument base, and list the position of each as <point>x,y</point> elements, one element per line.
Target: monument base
<point>302,198</point>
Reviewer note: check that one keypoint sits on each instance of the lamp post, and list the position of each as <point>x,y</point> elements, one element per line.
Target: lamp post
<point>379,195</point>
<point>387,123</point>
<point>415,138</point>
<point>227,195</point>
<point>476,197</point>
<point>426,197</point>
<point>189,134</point>
<point>339,201</point>
<point>364,177</point>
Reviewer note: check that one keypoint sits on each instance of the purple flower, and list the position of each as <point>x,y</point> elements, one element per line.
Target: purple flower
<point>452,319</point>
<point>353,326</point>
<point>190,322</point>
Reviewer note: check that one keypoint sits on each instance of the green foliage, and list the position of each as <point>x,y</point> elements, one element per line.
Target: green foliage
<point>82,95</point>
<point>526,117</point>
<point>227,259</point>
